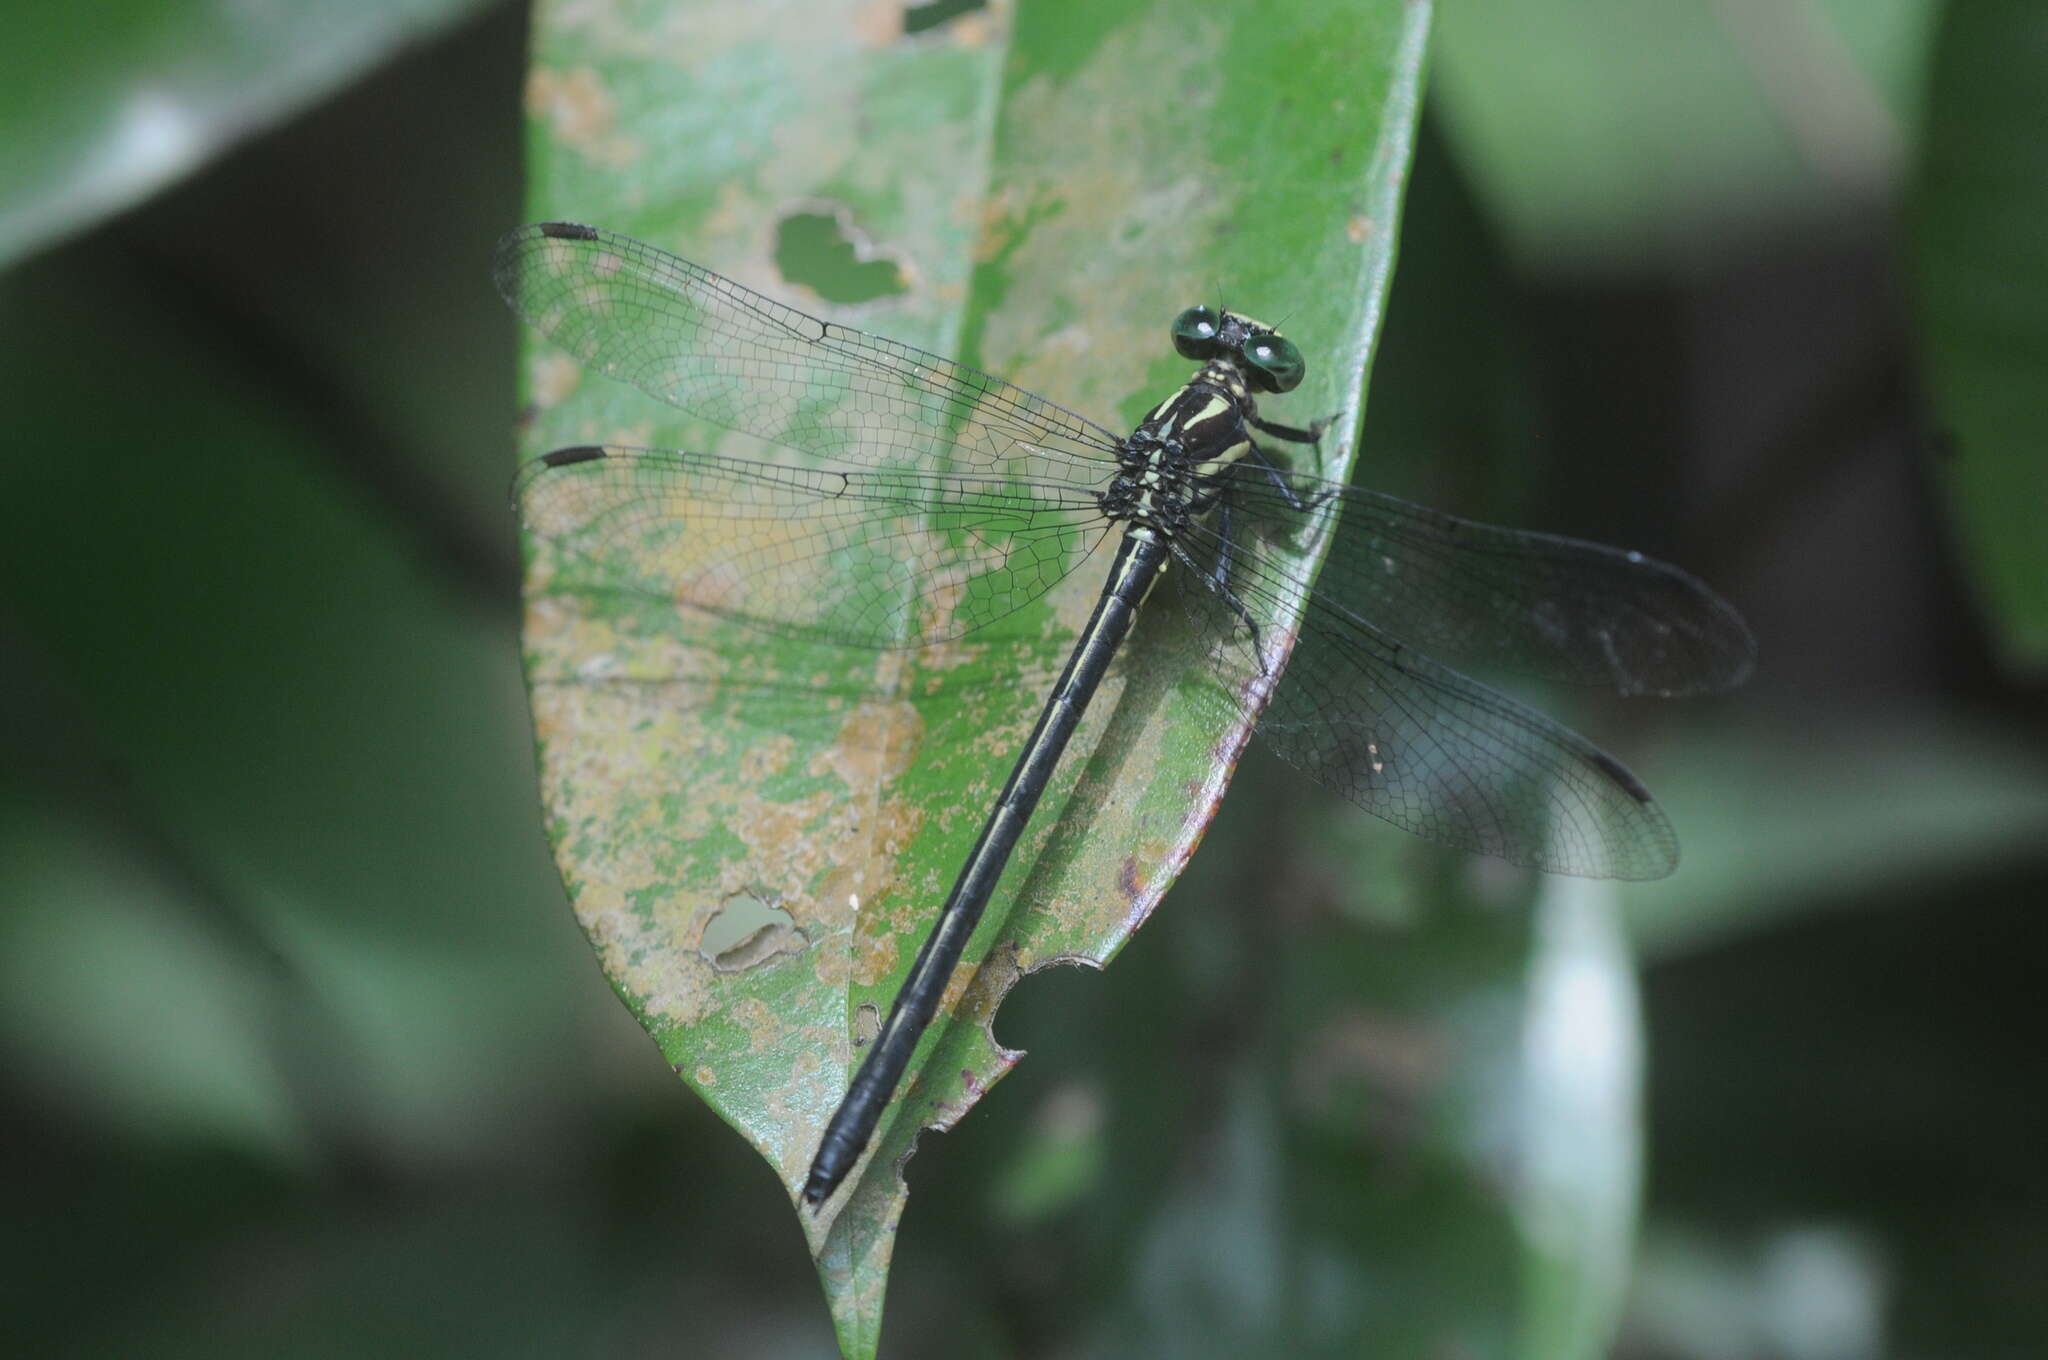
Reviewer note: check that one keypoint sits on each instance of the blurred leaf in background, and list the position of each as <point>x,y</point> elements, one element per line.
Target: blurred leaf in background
<point>1611,135</point>
<point>104,104</point>
<point>1978,204</point>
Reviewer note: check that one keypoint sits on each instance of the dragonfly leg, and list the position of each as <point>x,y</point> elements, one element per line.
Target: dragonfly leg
<point>1293,434</point>
<point>1218,579</point>
<point>1277,475</point>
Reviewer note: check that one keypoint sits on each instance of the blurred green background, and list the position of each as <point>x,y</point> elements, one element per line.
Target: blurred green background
<point>304,1055</point>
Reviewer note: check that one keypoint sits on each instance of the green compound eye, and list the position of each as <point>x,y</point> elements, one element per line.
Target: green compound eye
<point>1274,362</point>
<point>1194,332</point>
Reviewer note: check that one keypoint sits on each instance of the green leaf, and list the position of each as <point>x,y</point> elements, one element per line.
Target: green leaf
<point>103,104</point>
<point>84,915</point>
<point>756,832</point>
<point>1604,133</point>
<point>1782,817</point>
<point>1437,1046</point>
<point>1467,1053</point>
<point>238,702</point>
<point>1978,210</point>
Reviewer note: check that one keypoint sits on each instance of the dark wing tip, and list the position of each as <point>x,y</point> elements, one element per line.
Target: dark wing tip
<point>548,462</point>
<point>1608,766</point>
<point>508,260</point>
<point>1643,846</point>
<point>1650,849</point>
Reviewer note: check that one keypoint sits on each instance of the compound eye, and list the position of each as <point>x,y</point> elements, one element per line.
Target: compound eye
<point>1275,362</point>
<point>1195,331</point>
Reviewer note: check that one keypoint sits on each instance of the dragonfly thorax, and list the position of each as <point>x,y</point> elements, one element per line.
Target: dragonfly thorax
<point>1175,464</point>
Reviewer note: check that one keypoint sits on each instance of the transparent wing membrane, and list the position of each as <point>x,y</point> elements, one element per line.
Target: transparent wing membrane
<point>733,357</point>
<point>1543,606</point>
<point>890,558</point>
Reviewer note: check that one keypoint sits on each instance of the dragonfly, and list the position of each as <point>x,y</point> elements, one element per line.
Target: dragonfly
<point>911,500</point>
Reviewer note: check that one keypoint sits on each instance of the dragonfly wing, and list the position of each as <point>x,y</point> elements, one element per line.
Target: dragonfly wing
<point>731,356</point>
<point>1415,742</point>
<point>884,558</point>
<point>1537,604</point>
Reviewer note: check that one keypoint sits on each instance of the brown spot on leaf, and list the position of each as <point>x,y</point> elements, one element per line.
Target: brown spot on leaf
<point>876,743</point>
<point>878,23</point>
<point>555,376</point>
<point>763,1026</point>
<point>765,756</point>
<point>580,114</point>
<point>874,956</point>
<point>1127,880</point>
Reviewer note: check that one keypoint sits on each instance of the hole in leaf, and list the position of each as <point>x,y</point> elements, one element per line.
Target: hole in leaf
<point>923,18</point>
<point>746,931</point>
<point>819,248</point>
<point>867,1023</point>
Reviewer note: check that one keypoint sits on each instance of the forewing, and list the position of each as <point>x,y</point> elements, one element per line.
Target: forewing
<point>1541,605</point>
<point>885,558</point>
<point>731,356</point>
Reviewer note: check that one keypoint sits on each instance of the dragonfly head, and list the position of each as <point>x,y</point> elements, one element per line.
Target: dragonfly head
<point>1267,359</point>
